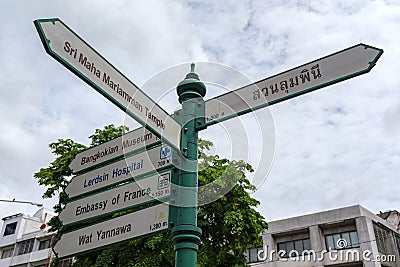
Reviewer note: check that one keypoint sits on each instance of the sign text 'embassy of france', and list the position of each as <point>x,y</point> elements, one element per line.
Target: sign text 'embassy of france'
<point>126,196</point>
<point>322,72</point>
<point>117,172</point>
<point>74,53</point>
<point>119,229</point>
<point>114,148</point>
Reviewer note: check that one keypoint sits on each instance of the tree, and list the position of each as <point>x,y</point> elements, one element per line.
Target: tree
<point>230,225</point>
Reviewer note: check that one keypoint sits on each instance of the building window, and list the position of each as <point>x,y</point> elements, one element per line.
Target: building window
<point>252,255</point>
<point>44,244</point>
<point>294,248</point>
<point>10,228</point>
<point>24,247</point>
<point>7,252</point>
<point>342,240</point>
<point>383,240</point>
<point>65,263</point>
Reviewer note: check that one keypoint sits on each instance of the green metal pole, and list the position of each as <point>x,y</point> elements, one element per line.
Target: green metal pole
<point>186,234</point>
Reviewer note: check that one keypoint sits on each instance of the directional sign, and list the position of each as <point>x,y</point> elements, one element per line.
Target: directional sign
<point>120,198</point>
<point>119,229</point>
<point>337,67</point>
<point>112,149</point>
<point>122,170</point>
<point>75,54</point>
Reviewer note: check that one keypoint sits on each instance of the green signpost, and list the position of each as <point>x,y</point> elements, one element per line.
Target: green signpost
<point>170,172</point>
<point>186,234</point>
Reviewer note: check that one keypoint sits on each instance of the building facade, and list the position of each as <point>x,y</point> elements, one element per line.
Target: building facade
<point>25,241</point>
<point>350,236</point>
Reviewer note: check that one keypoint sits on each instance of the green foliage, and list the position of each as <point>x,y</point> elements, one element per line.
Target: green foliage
<point>54,177</point>
<point>109,132</point>
<point>230,225</point>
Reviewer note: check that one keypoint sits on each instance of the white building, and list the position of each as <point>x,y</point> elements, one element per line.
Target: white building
<point>350,236</point>
<point>25,241</point>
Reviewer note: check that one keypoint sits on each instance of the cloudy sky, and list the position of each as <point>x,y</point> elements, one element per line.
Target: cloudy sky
<point>335,147</point>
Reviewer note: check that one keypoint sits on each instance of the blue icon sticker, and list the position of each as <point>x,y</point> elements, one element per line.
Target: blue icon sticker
<point>165,152</point>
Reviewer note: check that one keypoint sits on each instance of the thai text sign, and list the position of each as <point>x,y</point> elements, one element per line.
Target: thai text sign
<point>328,70</point>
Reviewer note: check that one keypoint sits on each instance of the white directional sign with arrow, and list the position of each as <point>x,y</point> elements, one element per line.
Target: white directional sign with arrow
<point>126,196</point>
<point>75,54</point>
<point>122,228</point>
<point>115,148</point>
<point>337,67</point>
<point>120,171</point>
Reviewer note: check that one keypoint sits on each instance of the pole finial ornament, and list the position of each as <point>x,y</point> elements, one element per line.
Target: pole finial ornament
<point>192,67</point>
